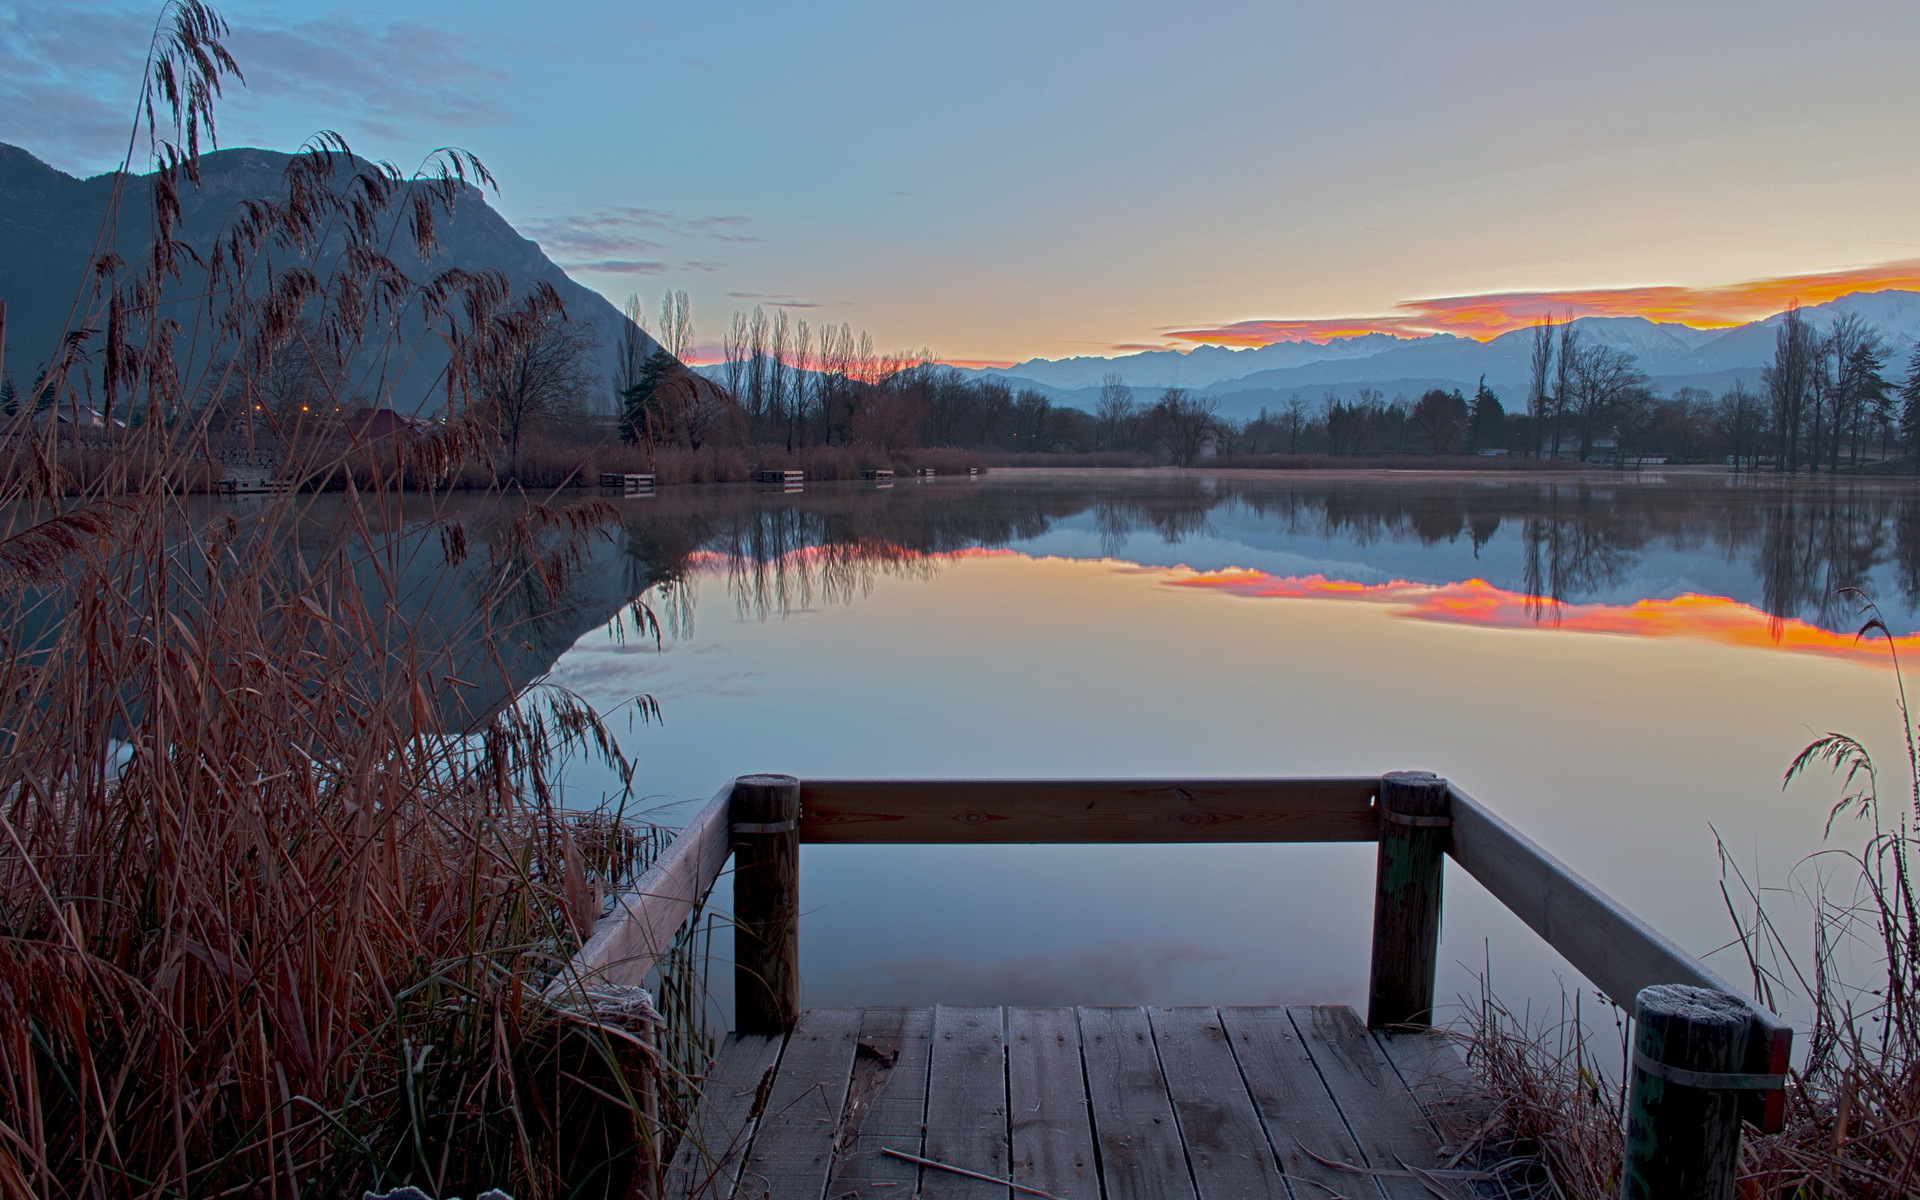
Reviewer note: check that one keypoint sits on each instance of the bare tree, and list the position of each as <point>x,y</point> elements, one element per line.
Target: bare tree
<point>1599,379</point>
<point>1115,411</point>
<point>1541,367</point>
<point>1563,370</point>
<point>547,377</point>
<point>1293,418</point>
<point>1182,423</point>
<point>1789,385</point>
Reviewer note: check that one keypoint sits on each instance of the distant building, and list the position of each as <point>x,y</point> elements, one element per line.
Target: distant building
<point>376,424</point>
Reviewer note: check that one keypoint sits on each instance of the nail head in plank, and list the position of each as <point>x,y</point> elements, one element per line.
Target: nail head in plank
<point>793,1148</point>
<point>1051,1131</point>
<point>720,1133</point>
<point>1387,1122</point>
<point>1226,1146</point>
<point>1293,1102</point>
<point>1133,1123</point>
<point>966,1104</point>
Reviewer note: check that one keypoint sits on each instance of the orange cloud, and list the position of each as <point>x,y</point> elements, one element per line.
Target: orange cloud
<point>1477,602</point>
<point>1488,316</point>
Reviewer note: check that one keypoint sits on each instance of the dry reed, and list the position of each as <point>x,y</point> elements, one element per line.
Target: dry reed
<point>1853,1099</point>
<point>277,903</point>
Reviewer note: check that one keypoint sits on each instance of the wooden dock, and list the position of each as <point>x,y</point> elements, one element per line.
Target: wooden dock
<point>1119,1104</point>
<point>1078,1104</point>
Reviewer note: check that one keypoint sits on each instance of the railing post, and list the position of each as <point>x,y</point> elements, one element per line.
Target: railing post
<point>1683,1117</point>
<point>765,820</point>
<point>1415,820</point>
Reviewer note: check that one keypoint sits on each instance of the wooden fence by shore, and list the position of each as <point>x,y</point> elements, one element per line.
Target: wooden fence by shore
<point>1706,1059</point>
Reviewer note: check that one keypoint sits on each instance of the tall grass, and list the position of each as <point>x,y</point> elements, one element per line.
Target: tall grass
<point>1853,1100</point>
<point>277,902</point>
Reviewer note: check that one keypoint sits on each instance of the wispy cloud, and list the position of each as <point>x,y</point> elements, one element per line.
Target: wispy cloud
<point>1489,315</point>
<point>617,266</point>
<point>623,228</point>
<point>780,301</point>
<point>69,76</point>
<point>396,80</point>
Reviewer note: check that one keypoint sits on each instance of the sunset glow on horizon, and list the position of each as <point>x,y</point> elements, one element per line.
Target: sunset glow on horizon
<point>1478,603</point>
<point>1474,602</point>
<point>1484,317</point>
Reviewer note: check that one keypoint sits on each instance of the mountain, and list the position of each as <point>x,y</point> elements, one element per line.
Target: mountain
<point>1673,356</point>
<point>49,221</point>
<point>1195,368</point>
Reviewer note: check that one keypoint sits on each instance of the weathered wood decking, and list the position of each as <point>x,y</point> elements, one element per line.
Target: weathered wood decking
<point>1079,1104</point>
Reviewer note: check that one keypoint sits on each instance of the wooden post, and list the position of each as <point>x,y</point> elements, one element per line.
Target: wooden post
<point>1415,820</point>
<point>765,817</point>
<point>1683,1134</point>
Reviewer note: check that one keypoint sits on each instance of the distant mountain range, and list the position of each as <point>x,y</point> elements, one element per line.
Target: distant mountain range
<point>1244,381</point>
<point>49,221</point>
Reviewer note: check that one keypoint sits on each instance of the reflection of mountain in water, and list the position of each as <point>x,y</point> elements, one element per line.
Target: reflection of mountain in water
<point>1789,549</point>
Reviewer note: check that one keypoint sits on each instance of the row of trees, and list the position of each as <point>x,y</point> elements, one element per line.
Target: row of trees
<point>1823,402</point>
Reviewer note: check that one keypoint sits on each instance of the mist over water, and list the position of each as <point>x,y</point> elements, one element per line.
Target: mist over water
<point>1635,666</point>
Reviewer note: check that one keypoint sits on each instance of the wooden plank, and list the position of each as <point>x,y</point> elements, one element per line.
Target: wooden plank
<point>1295,1108</point>
<point>1133,1122</point>
<point>886,1107</point>
<point>1618,951</point>
<point>1051,1132</point>
<point>1429,1062</point>
<point>1227,1147</point>
<point>966,1104</point>
<point>793,1148</point>
<point>720,1132</point>
<point>1387,1123</point>
<point>630,940</point>
<point>1079,810</point>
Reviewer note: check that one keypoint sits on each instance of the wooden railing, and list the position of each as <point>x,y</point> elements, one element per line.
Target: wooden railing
<point>1416,819</point>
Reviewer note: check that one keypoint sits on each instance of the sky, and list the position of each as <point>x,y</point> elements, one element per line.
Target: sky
<point>995,181</point>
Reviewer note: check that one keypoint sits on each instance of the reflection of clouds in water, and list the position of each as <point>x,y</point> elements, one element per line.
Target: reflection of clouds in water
<point>616,673</point>
<point>1114,973</point>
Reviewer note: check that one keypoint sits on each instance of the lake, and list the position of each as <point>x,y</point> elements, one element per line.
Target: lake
<point>1622,666</point>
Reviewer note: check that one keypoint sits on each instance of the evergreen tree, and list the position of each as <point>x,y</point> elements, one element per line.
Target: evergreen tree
<point>1910,408</point>
<point>9,398</point>
<point>637,414</point>
<point>1487,426</point>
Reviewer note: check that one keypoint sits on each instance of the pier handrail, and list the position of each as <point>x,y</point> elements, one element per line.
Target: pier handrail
<point>1421,818</point>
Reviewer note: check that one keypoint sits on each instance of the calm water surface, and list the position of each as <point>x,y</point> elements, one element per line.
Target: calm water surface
<point>1621,667</point>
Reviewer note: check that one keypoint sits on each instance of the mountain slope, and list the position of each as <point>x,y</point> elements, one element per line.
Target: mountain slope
<point>49,222</point>
<point>1673,356</point>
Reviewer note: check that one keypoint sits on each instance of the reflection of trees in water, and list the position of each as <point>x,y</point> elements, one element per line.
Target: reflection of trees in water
<point>1577,539</point>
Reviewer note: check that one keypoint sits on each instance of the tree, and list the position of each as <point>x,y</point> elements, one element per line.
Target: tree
<point>1115,412</point>
<point>1293,419</point>
<point>547,377</point>
<point>1910,410</point>
<point>1442,419</point>
<point>1597,381</point>
<point>1487,423</point>
<point>1182,423</point>
<point>1540,364</point>
<point>1859,390</point>
<point>1740,416</point>
<point>1789,385</point>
